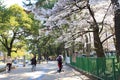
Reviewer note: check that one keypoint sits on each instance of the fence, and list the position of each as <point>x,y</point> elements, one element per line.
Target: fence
<point>102,68</point>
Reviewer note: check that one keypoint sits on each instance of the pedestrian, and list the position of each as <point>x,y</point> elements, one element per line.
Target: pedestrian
<point>33,63</point>
<point>59,60</point>
<point>16,62</point>
<point>8,63</point>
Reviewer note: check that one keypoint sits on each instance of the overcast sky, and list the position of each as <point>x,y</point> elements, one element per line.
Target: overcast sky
<point>11,2</point>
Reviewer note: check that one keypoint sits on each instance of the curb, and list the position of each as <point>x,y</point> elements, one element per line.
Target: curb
<point>3,69</point>
<point>84,73</point>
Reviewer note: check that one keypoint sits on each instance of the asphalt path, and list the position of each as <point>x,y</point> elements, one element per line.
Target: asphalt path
<point>44,71</point>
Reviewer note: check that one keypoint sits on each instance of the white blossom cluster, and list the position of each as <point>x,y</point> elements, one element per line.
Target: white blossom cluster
<point>78,16</point>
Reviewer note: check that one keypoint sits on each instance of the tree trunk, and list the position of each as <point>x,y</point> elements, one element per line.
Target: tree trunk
<point>24,63</point>
<point>97,42</point>
<point>73,47</point>
<point>98,45</point>
<point>117,31</point>
<point>116,7</point>
<point>39,56</point>
<point>9,52</point>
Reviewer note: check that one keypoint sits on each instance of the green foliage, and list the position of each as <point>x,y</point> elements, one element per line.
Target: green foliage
<point>46,4</point>
<point>19,17</point>
<point>32,40</point>
<point>35,25</point>
<point>40,3</point>
<point>4,19</point>
<point>14,22</point>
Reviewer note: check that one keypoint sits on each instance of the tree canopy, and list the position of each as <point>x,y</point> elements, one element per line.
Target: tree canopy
<point>14,23</point>
<point>83,17</point>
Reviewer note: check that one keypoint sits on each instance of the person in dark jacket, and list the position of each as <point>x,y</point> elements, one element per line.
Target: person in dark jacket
<point>33,63</point>
<point>8,64</point>
<point>59,59</point>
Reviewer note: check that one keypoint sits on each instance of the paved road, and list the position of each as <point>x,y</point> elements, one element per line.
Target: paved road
<point>44,71</point>
<point>2,65</point>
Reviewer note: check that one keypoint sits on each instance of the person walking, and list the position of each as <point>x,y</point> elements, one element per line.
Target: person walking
<point>33,63</point>
<point>59,59</point>
<point>8,64</point>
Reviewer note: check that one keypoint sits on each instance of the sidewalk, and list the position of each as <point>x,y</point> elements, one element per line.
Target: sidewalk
<point>2,67</point>
<point>44,71</point>
<point>68,73</point>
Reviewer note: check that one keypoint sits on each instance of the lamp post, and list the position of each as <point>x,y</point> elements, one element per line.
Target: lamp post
<point>24,61</point>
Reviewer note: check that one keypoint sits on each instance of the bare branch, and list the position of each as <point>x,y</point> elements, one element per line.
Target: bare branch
<point>96,28</point>
<point>108,38</point>
<point>80,34</point>
<point>104,18</point>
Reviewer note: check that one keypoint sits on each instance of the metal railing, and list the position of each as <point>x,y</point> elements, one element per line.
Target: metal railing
<point>102,68</point>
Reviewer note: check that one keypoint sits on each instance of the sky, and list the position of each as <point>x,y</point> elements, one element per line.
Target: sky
<point>11,2</point>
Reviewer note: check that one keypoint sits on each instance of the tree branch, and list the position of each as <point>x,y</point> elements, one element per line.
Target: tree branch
<point>104,18</point>
<point>80,34</point>
<point>96,28</point>
<point>4,43</point>
<point>107,38</point>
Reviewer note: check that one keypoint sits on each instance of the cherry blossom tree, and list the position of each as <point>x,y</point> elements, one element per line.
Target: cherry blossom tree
<point>81,16</point>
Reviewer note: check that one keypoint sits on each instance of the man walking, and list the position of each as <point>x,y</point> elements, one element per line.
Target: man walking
<point>33,63</point>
